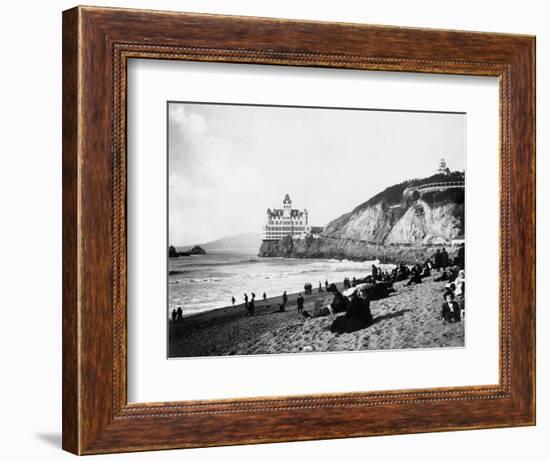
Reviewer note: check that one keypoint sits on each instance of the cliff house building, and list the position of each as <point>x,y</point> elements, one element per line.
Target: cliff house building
<point>281,222</point>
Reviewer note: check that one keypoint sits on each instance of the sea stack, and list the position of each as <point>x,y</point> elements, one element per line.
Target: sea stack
<point>197,250</point>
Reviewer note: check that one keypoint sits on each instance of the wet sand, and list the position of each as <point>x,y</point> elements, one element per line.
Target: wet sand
<point>407,319</point>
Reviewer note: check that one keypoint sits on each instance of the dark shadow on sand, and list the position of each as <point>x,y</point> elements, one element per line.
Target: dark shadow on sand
<point>350,327</point>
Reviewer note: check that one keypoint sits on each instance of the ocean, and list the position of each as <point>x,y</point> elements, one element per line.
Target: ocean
<point>203,282</point>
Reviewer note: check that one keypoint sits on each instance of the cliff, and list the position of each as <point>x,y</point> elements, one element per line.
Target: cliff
<point>326,248</point>
<point>398,224</point>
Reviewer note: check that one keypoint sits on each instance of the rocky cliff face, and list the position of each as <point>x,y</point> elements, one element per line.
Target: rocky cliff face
<point>395,225</point>
<point>413,222</point>
<point>327,248</point>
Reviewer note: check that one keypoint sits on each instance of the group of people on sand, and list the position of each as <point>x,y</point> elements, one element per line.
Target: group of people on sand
<point>453,308</point>
<point>449,270</point>
<point>177,315</point>
<point>249,303</point>
<point>454,292</point>
<point>354,302</point>
<point>308,287</point>
<point>419,271</point>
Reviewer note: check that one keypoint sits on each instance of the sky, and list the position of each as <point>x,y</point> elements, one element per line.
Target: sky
<point>229,163</point>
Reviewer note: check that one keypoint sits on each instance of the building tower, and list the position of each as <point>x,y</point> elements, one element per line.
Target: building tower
<point>442,169</point>
<point>287,206</point>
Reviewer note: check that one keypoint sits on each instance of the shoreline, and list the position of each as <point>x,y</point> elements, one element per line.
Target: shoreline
<point>270,302</point>
<point>407,319</point>
<point>331,270</point>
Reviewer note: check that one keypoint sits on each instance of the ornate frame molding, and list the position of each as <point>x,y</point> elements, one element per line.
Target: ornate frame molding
<point>97,44</point>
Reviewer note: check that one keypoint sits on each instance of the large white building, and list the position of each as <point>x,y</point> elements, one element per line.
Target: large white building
<point>281,222</point>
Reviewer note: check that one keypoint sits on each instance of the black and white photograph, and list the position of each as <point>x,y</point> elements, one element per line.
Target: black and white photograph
<point>314,229</point>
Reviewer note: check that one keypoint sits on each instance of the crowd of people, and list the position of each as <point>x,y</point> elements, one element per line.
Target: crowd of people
<point>355,300</point>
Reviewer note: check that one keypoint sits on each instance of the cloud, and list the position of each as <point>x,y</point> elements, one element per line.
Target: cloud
<point>228,164</point>
<point>208,184</point>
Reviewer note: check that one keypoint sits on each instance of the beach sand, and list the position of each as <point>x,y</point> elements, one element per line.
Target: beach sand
<point>407,319</point>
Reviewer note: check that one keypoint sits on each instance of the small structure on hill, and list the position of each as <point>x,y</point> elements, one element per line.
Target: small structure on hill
<point>443,168</point>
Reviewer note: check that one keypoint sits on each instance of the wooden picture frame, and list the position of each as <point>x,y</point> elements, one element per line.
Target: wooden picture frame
<point>97,43</point>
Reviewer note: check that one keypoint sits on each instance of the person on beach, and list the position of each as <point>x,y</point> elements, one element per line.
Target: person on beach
<point>264,296</point>
<point>326,284</point>
<point>459,282</point>
<point>174,316</point>
<point>437,260</point>
<point>453,273</point>
<point>444,259</point>
<point>450,288</point>
<point>246,301</point>
<point>300,303</point>
<point>179,314</point>
<point>462,301</point>
<point>320,287</point>
<point>403,272</point>
<point>251,307</point>
<point>233,301</point>
<point>379,290</point>
<point>460,257</point>
<point>426,269</point>
<point>365,313</point>
<point>416,276</point>
<point>285,299</point>
<point>450,310</point>
<point>443,277</point>
<point>357,316</point>
<point>339,301</point>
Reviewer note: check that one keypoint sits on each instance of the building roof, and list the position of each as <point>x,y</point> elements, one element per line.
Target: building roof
<point>278,212</point>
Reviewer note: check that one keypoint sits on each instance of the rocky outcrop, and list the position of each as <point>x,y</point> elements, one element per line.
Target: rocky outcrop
<point>333,248</point>
<point>197,250</point>
<point>280,248</point>
<point>174,253</point>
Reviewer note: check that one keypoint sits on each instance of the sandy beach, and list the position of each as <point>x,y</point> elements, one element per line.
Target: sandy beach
<point>409,318</point>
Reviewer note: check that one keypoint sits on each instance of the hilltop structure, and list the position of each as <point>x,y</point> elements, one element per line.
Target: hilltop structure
<point>442,168</point>
<point>286,221</point>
